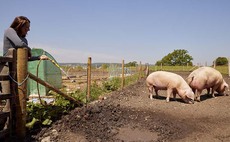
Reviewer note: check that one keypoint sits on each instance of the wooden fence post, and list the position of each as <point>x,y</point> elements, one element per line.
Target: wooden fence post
<point>123,75</point>
<point>88,79</point>
<point>140,70</point>
<point>229,66</point>
<point>13,90</point>
<point>147,70</point>
<point>22,75</point>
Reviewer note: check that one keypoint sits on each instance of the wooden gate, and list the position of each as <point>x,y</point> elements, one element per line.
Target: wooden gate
<point>13,68</point>
<point>8,91</point>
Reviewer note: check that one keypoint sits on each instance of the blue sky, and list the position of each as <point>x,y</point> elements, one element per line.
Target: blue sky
<point>131,30</point>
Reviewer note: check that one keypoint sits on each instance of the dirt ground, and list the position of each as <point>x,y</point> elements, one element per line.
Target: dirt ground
<point>128,115</point>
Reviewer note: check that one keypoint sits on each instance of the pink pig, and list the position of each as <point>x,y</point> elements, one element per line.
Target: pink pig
<point>206,78</point>
<point>173,83</point>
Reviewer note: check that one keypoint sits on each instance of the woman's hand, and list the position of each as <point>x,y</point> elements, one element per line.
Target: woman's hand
<point>44,57</point>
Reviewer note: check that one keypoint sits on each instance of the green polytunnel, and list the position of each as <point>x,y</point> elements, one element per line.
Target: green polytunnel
<point>47,71</point>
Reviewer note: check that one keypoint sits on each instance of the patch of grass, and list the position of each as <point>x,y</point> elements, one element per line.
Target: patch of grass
<point>112,84</point>
<point>223,69</point>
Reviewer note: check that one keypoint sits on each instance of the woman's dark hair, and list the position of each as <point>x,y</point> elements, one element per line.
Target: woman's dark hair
<point>18,23</point>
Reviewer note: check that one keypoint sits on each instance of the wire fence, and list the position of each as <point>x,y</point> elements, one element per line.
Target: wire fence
<point>99,74</point>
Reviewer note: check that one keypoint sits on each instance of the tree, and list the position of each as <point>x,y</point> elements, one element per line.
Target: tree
<point>221,61</point>
<point>104,66</point>
<point>131,64</point>
<point>178,57</point>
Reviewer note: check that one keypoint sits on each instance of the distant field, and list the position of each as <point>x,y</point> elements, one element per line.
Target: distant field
<point>223,69</point>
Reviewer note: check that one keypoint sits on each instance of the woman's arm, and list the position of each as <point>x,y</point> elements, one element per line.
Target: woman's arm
<point>42,57</point>
<point>11,34</point>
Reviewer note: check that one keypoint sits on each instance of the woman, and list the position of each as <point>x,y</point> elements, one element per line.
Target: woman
<point>15,37</point>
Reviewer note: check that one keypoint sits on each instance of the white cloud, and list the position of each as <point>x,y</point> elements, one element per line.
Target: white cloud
<point>63,55</point>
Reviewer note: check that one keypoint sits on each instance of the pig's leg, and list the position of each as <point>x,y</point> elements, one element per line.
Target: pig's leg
<point>198,92</point>
<point>213,91</point>
<point>208,91</point>
<point>156,92</point>
<point>150,88</point>
<point>194,91</point>
<point>169,92</point>
<point>174,95</point>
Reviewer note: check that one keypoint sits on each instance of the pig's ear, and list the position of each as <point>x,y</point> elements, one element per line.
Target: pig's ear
<point>186,94</point>
<point>189,80</point>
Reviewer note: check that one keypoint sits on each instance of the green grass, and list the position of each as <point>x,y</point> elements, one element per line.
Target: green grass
<point>223,69</point>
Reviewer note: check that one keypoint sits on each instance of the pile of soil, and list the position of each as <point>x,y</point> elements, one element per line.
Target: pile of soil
<point>128,115</point>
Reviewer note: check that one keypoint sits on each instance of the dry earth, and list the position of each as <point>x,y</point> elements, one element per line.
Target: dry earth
<point>129,115</point>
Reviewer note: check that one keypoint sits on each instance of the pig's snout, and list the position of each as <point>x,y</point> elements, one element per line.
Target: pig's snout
<point>191,101</point>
